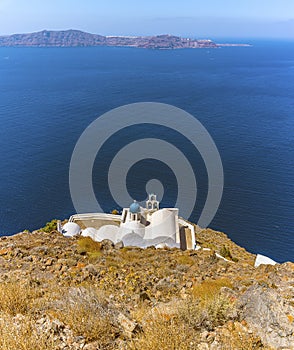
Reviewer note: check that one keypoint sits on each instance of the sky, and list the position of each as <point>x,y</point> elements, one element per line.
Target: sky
<point>193,18</point>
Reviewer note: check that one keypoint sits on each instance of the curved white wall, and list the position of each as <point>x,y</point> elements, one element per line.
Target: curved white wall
<point>163,223</point>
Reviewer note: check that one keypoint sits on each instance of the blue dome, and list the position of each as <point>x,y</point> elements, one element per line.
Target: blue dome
<point>135,208</point>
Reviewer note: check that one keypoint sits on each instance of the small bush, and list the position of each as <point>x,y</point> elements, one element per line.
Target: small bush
<point>50,226</point>
<point>210,289</point>
<point>209,314</point>
<point>162,333</point>
<point>87,315</point>
<point>87,245</point>
<point>225,252</point>
<point>185,260</point>
<point>16,298</point>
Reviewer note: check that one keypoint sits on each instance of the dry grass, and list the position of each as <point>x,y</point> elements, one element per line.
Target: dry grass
<point>22,335</point>
<point>179,326</point>
<point>68,291</point>
<point>17,298</point>
<point>207,307</point>
<point>86,245</point>
<point>131,255</point>
<point>140,311</point>
<point>88,316</point>
<point>162,333</point>
<point>237,338</point>
<point>209,289</point>
<point>185,260</point>
<point>213,313</point>
<point>93,324</point>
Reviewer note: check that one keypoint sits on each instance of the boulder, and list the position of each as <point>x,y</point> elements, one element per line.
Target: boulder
<point>107,244</point>
<point>269,315</point>
<point>119,245</point>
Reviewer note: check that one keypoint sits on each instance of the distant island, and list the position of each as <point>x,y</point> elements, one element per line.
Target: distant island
<point>77,38</point>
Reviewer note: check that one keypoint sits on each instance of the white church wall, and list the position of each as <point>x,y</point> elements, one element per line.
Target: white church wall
<point>163,223</point>
<point>89,232</point>
<point>131,227</point>
<point>108,232</point>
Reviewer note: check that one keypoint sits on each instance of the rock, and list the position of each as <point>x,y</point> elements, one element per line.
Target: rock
<point>117,283</point>
<point>68,262</point>
<point>189,284</point>
<point>40,250</point>
<point>144,296</point>
<point>57,267</point>
<point>165,284</point>
<point>267,313</point>
<point>49,262</point>
<point>62,336</point>
<point>107,244</point>
<point>80,265</point>
<point>119,245</point>
<point>64,268</point>
<point>92,346</point>
<point>204,335</point>
<point>18,253</point>
<point>129,327</point>
<point>91,269</point>
<point>28,258</point>
<point>5,251</point>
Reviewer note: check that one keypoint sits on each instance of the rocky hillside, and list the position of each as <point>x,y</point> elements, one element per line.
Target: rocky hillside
<point>74,293</point>
<point>53,38</point>
<point>72,38</point>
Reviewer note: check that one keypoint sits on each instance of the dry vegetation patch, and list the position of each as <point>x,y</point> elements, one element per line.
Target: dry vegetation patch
<point>209,289</point>
<point>22,334</point>
<point>86,312</point>
<point>18,298</point>
<point>163,333</point>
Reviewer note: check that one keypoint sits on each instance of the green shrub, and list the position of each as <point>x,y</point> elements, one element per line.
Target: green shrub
<point>50,226</point>
<point>225,252</point>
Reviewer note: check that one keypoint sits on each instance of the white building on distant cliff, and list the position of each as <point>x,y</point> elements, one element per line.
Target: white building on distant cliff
<point>136,226</point>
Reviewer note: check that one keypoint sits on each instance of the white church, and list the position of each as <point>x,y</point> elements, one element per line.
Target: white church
<point>136,226</point>
<point>141,227</point>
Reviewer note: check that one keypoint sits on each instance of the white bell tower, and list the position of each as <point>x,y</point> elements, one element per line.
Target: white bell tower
<point>152,203</point>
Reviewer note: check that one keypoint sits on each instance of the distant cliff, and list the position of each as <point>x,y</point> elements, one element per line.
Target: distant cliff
<point>76,38</point>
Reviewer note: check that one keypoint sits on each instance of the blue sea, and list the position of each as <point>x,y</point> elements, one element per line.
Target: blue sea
<point>244,96</point>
